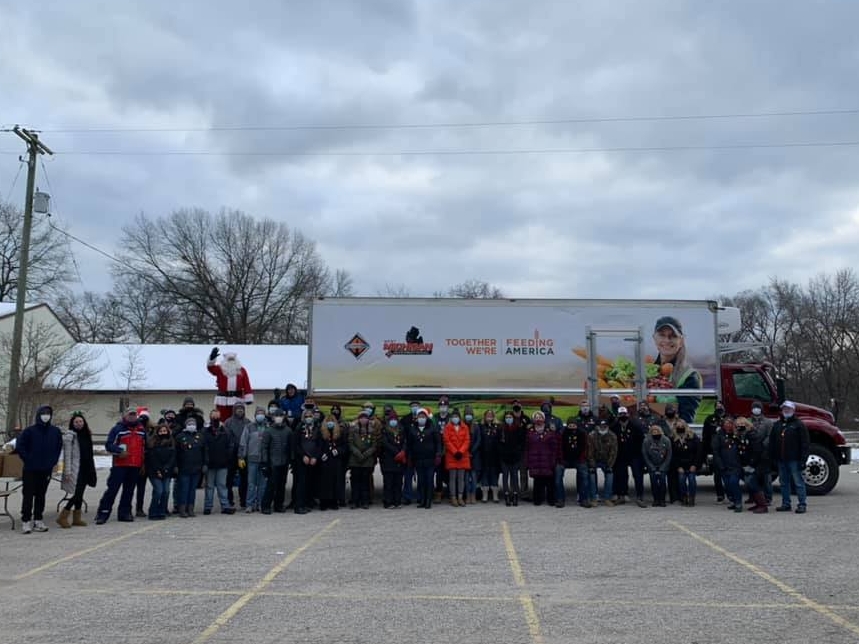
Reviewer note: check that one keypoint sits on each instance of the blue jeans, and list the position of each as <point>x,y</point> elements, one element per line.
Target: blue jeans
<point>583,483</point>
<point>688,483</point>
<point>216,478</point>
<point>471,479</point>
<point>790,476</point>
<point>187,484</point>
<point>119,477</point>
<point>608,484</point>
<point>256,486</point>
<point>731,481</point>
<point>408,484</point>
<point>560,489</point>
<point>160,497</point>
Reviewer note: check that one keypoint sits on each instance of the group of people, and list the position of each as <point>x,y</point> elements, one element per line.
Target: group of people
<point>424,456</point>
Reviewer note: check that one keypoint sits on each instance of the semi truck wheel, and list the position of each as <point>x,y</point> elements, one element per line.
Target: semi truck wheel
<point>821,470</point>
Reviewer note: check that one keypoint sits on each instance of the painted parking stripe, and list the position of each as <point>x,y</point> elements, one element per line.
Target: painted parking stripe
<point>785,588</point>
<point>224,618</point>
<point>525,598</point>
<point>85,551</point>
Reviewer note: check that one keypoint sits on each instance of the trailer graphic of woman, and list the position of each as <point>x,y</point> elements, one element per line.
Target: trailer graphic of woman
<point>671,345</point>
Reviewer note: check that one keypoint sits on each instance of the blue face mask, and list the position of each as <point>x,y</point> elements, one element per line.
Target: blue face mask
<point>468,418</point>
<point>329,425</point>
<point>260,418</point>
<point>392,423</point>
<point>508,421</point>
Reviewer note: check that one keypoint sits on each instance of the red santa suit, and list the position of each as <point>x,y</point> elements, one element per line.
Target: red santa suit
<point>233,384</point>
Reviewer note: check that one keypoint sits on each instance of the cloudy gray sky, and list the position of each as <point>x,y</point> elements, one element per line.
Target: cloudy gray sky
<point>602,217</point>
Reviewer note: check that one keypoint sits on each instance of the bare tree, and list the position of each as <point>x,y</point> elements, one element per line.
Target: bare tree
<point>473,289</point>
<point>50,258</point>
<point>52,371</point>
<point>92,318</point>
<point>394,290</point>
<point>133,371</point>
<point>231,278</point>
<point>148,315</point>
<point>341,284</point>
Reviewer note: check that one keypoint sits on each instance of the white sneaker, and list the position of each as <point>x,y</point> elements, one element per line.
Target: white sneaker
<point>26,527</point>
<point>39,526</point>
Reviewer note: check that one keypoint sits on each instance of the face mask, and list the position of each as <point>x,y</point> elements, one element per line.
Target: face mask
<point>330,424</point>
<point>260,417</point>
<point>681,430</point>
<point>163,435</point>
<point>368,411</point>
<point>212,421</point>
<point>623,417</point>
<point>655,436</point>
<point>239,412</point>
<point>508,421</point>
<point>788,413</point>
<point>271,411</point>
<point>278,420</point>
<point>308,421</point>
<point>517,408</point>
<point>540,427</point>
<point>422,422</point>
<point>603,430</point>
<point>45,418</point>
<point>455,420</point>
<point>191,428</point>
<point>335,413</point>
<point>442,409</point>
<point>670,414</point>
<point>468,418</point>
<point>415,409</point>
<point>644,412</point>
<point>720,411</point>
<point>756,411</point>
<point>585,409</point>
<point>392,423</point>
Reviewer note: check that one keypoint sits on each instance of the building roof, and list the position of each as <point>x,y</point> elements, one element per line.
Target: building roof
<point>8,308</point>
<point>182,367</point>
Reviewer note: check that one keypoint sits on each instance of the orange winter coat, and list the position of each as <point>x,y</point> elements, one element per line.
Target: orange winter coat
<point>457,439</point>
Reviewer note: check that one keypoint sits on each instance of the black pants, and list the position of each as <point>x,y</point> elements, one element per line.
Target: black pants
<point>119,477</point>
<point>77,500</point>
<point>673,485</point>
<point>361,485</point>
<point>243,484</point>
<point>543,489</point>
<point>392,493</point>
<point>276,488</point>
<point>300,476</point>
<point>141,491</point>
<point>34,487</point>
<point>717,479</point>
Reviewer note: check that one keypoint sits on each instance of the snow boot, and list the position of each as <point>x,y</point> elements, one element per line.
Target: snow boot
<point>63,519</point>
<point>77,520</point>
<point>515,500</point>
<point>760,503</point>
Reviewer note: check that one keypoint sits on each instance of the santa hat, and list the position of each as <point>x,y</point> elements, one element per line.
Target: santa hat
<point>143,411</point>
<point>230,355</point>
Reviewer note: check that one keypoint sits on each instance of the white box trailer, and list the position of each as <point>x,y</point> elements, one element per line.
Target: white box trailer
<point>390,346</point>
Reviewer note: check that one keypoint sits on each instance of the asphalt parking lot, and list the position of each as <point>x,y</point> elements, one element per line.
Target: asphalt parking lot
<point>484,573</point>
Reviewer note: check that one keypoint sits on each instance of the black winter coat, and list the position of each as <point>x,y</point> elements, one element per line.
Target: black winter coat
<point>574,446</point>
<point>191,455</point>
<point>511,443</point>
<point>630,438</point>
<point>789,441</point>
<point>489,437</point>
<point>277,446</point>
<point>728,452</point>
<point>423,447</point>
<point>686,453</point>
<point>219,446</point>
<point>306,441</point>
<point>160,457</point>
<point>393,442</point>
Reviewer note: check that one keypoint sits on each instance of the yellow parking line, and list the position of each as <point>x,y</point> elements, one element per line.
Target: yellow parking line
<point>786,589</point>
<point>85,551</point>
<point>224,618</point>
<point>524,598</point>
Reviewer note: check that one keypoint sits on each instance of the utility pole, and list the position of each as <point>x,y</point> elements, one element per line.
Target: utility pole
<point>34,149</point>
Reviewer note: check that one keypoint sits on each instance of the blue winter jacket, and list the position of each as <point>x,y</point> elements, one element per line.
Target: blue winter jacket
<point>39,445</point>
<point>293,406</point>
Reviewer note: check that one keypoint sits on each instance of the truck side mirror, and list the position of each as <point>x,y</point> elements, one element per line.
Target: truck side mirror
<point>779,386</point>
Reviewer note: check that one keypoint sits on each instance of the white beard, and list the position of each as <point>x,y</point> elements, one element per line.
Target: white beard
<point>231,368</point>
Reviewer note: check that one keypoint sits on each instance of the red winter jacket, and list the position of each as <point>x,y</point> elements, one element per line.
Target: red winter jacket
<point>457,439</point>
<point>542,452</point>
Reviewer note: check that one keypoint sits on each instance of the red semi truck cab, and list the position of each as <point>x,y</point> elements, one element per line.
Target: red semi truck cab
<point>743,384</point>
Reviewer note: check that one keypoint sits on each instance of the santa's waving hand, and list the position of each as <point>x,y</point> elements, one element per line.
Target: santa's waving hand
<point>232,380</point>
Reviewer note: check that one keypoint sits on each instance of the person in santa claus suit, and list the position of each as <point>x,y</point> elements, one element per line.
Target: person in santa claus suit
<point>232,382</point>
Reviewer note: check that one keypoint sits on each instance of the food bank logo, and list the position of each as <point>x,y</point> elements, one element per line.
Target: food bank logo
<point>413,346</point>
<point>535,346</point>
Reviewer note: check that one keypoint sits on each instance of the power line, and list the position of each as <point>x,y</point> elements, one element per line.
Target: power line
<point>464,124</point>
<point>85,243</point>
<point>54,199</point>
<point>14,181</point>
<point>518,151</point>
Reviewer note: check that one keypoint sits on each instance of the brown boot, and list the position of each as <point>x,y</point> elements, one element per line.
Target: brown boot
<point>472,498</point>
<point>454,501</point>
<point>77,520</point>
<point>63,519</point>
<point>760,503</point>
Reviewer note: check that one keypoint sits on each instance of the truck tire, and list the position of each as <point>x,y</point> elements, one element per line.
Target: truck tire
<point>821,470</point>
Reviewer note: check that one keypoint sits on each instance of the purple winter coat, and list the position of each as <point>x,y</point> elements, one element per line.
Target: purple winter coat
<point>542,451</point>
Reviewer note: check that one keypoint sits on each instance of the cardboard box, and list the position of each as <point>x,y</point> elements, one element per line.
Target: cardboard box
<point>13,466</point>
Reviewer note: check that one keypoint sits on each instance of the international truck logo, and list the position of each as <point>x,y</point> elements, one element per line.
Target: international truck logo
<point>357,346</point>
<point>413,346</point>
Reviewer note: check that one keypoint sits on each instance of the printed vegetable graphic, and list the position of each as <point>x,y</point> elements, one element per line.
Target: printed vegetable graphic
<point>620,373</point>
